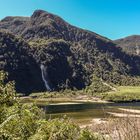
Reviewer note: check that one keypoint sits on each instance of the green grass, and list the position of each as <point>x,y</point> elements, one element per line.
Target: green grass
<point>123,94</point>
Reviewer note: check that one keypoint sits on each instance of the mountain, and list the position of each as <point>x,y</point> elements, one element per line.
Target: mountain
<point>45,25</point>
<point>66,56</point>
<point>130,44</point>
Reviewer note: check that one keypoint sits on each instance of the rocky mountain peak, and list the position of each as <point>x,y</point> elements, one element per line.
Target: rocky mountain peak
<point>44,15</point>
<point>39,13</point>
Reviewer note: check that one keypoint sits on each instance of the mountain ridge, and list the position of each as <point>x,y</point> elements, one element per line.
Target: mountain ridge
<point>44,14</point>
<point>130,44</point>
<point>70,55</point>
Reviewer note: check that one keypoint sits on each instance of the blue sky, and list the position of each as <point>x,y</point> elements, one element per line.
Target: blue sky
<point>111,18</point>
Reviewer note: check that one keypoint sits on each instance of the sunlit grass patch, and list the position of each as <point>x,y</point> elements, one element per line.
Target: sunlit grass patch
<point>123,94</point>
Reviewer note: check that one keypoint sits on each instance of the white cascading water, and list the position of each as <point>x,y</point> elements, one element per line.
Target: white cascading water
<point>44,77</point>
<point>137,50</point>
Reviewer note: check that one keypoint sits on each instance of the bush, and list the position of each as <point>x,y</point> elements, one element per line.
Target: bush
<point>7,91</point>
<point>97,86</point>
<point>62,129</point>
<point>27,121</point>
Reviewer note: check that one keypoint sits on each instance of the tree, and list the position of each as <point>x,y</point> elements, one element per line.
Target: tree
<point>7,91</point>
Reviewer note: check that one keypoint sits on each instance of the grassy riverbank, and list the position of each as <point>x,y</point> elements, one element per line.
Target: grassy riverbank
<point>122,94</point>
<point>108,127</point>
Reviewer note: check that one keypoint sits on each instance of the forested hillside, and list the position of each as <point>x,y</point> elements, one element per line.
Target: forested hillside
<point>69,56</point>
<point>15,59</point>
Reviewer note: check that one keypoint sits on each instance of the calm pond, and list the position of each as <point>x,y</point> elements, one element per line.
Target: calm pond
<point>84,112</point>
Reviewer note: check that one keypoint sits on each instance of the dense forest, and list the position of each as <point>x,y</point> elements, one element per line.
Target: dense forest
<point>70,56</point>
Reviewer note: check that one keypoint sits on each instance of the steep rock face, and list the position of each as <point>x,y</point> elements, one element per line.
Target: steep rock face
<point>69,54</point>
<point>15,59</point>
<point>130,44</point>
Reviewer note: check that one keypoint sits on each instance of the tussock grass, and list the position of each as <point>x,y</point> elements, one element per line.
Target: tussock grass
<point>118,128</point>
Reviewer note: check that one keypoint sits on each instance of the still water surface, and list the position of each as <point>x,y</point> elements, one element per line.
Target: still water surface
<point>84,112</point>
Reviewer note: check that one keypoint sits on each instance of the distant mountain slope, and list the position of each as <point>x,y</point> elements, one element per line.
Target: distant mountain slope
<point>130,44</point>
<point>45,25</point>
<point>70,55</point>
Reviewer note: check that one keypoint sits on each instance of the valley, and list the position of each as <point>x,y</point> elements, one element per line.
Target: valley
<point>71,58</point>
<point>59,82</point>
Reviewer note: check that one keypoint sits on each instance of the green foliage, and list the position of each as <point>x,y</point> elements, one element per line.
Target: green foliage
<point>62,129</point>
<point>97,86</point>
<point>61,65</point>
<point>21,121</point>
<point>124,80</point>
<point>16,59</point>
<point>27,121</point>
<point>16,121</point>
<point>7,90</point>
<point>57,129</point>
<point>87,135</point>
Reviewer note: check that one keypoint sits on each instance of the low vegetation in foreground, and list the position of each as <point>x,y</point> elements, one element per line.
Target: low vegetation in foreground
<point>28,122</point>
<point>118,128</point>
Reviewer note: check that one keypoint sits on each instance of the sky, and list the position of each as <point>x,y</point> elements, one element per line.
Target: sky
<point>111,18</point>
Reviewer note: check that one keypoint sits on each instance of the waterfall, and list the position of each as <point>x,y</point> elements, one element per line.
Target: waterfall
<point>45,77</point>
<point>137,50</point>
